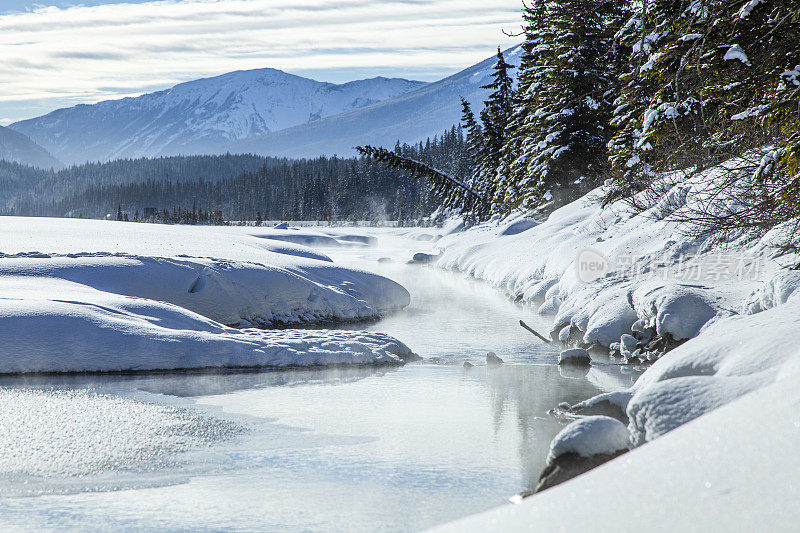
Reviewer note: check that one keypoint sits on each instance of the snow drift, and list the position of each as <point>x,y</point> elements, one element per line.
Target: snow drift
<point>72,300</point>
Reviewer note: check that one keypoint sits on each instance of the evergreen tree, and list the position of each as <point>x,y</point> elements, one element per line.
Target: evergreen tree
<point>710,80</point>
<point>514,178</point>
<point>495,117</point>
<point>569,127</point>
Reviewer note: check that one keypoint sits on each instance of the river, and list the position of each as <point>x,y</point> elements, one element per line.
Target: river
<point>339,449</point>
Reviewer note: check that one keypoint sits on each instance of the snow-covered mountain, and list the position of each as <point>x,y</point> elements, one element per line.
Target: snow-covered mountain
<point>201,116</point>
<point>15,146</point>
<point>410,117</point>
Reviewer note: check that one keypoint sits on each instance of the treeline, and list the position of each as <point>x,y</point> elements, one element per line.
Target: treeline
<point>32,191</point>
<point>178,189</point>
<point>622,92</point>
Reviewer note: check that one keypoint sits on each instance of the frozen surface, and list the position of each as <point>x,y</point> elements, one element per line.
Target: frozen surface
<point>62,440</point>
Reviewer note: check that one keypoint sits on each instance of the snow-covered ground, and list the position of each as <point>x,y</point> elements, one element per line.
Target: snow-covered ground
<point>613,278</point>
<point>89,295</point>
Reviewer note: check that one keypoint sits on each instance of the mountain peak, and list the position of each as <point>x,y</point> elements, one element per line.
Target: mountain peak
<point>200,115</point>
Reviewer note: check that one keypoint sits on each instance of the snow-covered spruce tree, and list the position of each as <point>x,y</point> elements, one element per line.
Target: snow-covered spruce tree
<point>657,115</point>
<point>568,128</point>
<point>513,177</point>
<point>474,135</point>
<point>713,79</point>
<point>495,117</point>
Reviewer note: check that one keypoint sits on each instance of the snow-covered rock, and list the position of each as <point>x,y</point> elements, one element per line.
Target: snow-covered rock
<point>592,435</point>
<point>574,356</point>
<point>581,446</point>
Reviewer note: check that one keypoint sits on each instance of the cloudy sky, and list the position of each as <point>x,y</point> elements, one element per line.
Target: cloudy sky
<point>58,53</point>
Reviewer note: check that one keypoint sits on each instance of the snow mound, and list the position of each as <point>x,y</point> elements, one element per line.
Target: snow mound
<point>54,325</point>
<point>224,274</point>
<point>774,292</point>
<point>231,292</point>
<point>87,295</point>
<point>679,310</point>
<point>518,226</point>
<point>732,357</point>
<point>592,435</point>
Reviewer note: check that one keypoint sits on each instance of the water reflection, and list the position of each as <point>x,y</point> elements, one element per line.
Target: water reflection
<point>529,391</point>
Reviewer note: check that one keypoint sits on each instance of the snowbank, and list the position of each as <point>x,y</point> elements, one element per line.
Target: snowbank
<point>729,313</point>
<point>54,325</point>
<point>236,293</point>
<point>732,357</point>
<point>654,270</point>
<point>223,273</point>
<point>87,295</point>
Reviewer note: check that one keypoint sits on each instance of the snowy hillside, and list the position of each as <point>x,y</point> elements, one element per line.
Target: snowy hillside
<point>409,118</point>
<point>18,148</point>
<point>200,116</point>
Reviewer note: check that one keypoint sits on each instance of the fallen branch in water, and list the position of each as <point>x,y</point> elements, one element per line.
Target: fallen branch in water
<point>526,326</point>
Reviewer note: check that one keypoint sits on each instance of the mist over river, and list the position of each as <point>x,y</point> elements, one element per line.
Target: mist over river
<point>325,449</point>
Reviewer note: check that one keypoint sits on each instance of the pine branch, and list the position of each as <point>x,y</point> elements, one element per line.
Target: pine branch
<point>443,184</point>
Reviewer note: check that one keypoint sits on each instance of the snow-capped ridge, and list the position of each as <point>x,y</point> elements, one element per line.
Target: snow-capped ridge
<point>410,117</point>
<point>199,116</point>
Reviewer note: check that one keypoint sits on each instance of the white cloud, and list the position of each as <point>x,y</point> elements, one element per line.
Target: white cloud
<point>55,57</point>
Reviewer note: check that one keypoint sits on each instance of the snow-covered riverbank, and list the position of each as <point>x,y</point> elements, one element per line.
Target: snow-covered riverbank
<point>658,285</point>
<point>89,295</point>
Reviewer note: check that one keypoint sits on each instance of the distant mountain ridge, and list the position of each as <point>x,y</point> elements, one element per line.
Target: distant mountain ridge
<point>265,112</point>
<point>410,117</point>
<point>200,116</point>
<point>18,148</point>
